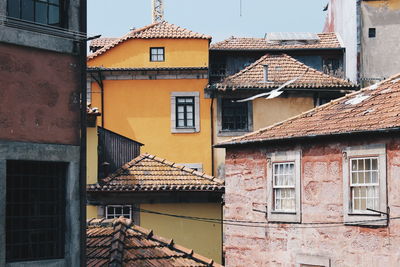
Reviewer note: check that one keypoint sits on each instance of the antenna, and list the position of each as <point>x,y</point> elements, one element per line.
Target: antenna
<point>157,10</point>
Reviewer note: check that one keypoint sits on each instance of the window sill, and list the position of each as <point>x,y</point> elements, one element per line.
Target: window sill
<point>284,212</point>
<point>185,130</point>
<point>36,27</point>
<point>233,133</point>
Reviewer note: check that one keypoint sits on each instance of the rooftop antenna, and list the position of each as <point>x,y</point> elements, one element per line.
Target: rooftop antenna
<point>157,10</point>
<point>240,7</point>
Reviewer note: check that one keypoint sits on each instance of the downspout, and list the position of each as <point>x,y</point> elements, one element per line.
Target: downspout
<point>212,135</point>
<point>83,120</point>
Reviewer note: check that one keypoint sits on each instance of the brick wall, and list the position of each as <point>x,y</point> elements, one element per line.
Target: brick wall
<point>321,200</point>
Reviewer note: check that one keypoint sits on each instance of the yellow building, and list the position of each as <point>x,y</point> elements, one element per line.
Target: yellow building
<point>149,86</point>
<point>166,197</point>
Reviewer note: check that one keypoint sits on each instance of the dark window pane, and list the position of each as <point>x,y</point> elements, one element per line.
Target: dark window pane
<point>13,8</point>
<point>234,115</point>
<point>35,211</point>
<point>41,12</point>
<point>184,112</point>
<point>54,15</point>
<point>27,11</point>
<point>56,2</point>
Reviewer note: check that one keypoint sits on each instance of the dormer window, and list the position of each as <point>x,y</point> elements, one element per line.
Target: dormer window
<point>157,54</point>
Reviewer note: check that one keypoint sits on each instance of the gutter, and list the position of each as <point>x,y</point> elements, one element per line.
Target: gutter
<point>308,137</point>
<point>275,50</point>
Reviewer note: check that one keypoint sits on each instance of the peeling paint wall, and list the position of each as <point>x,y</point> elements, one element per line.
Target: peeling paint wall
<point>321,201</point>
<point>39,96</point>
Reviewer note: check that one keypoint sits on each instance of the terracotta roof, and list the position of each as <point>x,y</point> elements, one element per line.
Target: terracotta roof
<point>327,40</point>
<point>151,173</point>
<point>101,42</point>
<point>118,242</point>
<point>159,30</point>
<point>375,108</point>
<point>281,68</point>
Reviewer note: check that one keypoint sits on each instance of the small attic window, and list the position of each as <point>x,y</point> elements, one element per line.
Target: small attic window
<point>372,32</point>
<point>265,73</point>
<point>157,54</point>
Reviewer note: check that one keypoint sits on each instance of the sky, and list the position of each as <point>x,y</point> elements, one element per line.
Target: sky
<point>218,18</point>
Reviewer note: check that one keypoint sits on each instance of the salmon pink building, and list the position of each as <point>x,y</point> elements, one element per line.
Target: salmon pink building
<point>318,189</point>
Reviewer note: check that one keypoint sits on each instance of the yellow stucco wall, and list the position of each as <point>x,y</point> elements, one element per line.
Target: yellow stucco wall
<point>135,53</point>
<point>91,212</point>
<point>91,157</point>
<point>203,237</point>
<point>141,110</point>
<point>265,113</point>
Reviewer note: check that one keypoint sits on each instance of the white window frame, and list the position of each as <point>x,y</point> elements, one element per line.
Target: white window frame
<point>118,206</point>
<point>196,127</point>
<point>355,216</point>
<point>280,215</point>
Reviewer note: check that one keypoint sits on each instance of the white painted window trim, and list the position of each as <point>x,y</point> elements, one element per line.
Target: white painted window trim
<point>196,127</point>
<point>304,259</point>
<point>119,206</point>
<point>198,166</point>
<point>281,216</point>
<point>350,217</point>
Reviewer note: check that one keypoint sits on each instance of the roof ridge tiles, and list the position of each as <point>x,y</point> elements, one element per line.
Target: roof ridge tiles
<point>180,33</point>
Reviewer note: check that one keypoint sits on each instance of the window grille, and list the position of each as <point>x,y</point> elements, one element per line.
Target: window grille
<point>284,187</point>
<point>116,211</point>
<point>184,112</point>
<point>35,210</point>
<point>47,12</point>
<point>234,115</point>
<point>157,54</point>
<point>364,184</point>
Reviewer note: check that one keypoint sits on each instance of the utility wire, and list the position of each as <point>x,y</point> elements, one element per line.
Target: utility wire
<point>258,224</point>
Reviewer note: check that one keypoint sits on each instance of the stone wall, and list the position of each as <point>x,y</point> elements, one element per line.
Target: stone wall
<point>321,201</point>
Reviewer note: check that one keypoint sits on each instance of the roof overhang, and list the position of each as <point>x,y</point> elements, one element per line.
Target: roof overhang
<point>297,139</point>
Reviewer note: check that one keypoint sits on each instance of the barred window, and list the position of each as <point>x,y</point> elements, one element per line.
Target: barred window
<point>49,12</point>
<point>116,211</point>
<point>234,115</point>
<point>284,186</point>
<point>364,184</point>
<point>157,54</point>
<point>35,210</point>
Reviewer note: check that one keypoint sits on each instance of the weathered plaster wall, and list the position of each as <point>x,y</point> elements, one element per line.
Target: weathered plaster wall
<point>321,200</point>
<point>39,95</point>
<point>380,55</point>
<point>342,18</point>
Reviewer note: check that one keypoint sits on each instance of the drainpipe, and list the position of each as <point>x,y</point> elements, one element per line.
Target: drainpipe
<point>83,107</point>
<point>212,135</point>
